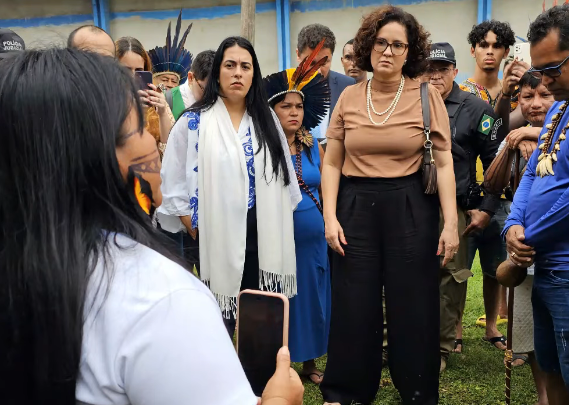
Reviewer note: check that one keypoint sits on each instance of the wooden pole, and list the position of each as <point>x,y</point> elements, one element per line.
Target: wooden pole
<point>509,352</point>
<point>248,20</point>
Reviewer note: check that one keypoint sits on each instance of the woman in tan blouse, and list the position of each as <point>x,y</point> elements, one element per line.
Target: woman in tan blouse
<point>380,221</point>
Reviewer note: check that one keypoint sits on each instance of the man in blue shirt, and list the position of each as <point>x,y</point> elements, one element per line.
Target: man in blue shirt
<point>536,230</point>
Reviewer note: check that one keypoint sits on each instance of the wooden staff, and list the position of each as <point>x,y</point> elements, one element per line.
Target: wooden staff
<point>509,353</point>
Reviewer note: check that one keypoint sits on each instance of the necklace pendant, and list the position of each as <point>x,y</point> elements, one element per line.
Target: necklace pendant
<point>549,166</point>
<point>545,167</point>
<point>540,169</point>
<point>546,159</point>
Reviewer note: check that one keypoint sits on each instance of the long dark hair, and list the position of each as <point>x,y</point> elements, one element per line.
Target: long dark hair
<point>256,102</point>
<point>130,44</point>
<point>63,201</point>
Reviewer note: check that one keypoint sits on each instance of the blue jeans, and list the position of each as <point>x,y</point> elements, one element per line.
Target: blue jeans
<point>550,300</point>
<point>177,238</point>
<point>186,247</point>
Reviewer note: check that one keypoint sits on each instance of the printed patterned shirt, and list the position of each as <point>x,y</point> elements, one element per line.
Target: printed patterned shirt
<point>482,92</point>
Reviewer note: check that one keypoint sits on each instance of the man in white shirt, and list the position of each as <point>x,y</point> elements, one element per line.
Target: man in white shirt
<point>180,98</point>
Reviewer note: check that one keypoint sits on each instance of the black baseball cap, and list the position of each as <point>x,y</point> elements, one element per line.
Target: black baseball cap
<point>10,43</point>
<point>442,51</point>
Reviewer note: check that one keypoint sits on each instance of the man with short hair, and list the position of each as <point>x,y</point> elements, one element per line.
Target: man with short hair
<point>490,44</point>
<point>475,134</point>
<point>10,43</point>
<point>349,63</point>
<point>308,39</point>
<point>92,38</point>
<point>534,101</point>
<point>181,97</point>
<point>536,230</point>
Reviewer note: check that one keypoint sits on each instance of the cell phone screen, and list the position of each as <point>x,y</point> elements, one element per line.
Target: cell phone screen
<point>143,79</point>
<point>259,337</point>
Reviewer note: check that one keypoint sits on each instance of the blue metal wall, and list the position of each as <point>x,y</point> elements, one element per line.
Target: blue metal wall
<point>102,16</point>
<point>484,10</point>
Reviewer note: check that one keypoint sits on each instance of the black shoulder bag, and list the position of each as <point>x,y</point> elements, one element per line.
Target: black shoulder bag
<point>429,168</point>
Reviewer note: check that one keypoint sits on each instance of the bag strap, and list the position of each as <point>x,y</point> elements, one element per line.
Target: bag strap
<point>428,155</point>
<point>426,109</point>
<point>462,96</point>
<point>169,99</point>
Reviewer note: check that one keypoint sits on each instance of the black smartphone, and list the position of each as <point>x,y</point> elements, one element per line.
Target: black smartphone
<point>143,79</point>
<point>262,329</point>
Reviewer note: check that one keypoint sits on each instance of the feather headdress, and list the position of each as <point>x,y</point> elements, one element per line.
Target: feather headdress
<point>173,57</point>
<point>554,3</point>
<point>308,83</point>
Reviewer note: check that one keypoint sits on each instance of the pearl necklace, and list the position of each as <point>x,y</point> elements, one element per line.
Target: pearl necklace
<point>391,107</point>
<point>547,159</point>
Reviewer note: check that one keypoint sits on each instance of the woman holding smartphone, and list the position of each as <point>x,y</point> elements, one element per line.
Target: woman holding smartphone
<point>159,117</point>
<point>95,308</point>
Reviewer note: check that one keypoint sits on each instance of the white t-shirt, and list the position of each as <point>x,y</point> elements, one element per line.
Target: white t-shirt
<point>155,337</point>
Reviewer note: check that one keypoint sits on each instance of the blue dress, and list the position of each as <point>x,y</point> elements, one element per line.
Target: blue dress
<point>310,309</point>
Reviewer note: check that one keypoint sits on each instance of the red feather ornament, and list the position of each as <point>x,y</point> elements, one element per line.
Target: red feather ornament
<point>304,70</point>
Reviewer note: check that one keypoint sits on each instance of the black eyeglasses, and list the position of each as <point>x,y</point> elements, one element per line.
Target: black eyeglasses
<point>442,71</point>
<point>397,48</point>
<point>200,86</point>
<point>553,71</point>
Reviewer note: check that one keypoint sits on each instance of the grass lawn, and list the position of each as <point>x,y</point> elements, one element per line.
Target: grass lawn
<point>475,377</point>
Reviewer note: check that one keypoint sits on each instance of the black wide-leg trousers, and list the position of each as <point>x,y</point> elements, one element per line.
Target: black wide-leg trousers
<point>391,228</point>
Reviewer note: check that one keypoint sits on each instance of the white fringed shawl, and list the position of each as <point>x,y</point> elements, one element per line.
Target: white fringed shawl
<point>223,183</point>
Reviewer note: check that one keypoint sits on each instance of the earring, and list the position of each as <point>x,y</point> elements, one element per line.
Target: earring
<point>405,62</point>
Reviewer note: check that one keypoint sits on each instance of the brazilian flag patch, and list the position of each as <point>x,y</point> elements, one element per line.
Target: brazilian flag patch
<point>485,124</point>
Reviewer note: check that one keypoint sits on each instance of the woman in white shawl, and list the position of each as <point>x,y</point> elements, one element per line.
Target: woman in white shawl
<point>225,166</point>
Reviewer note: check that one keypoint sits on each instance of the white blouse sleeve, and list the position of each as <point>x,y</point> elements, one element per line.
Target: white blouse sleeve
<point>179,155</point>
<point>179,353</point>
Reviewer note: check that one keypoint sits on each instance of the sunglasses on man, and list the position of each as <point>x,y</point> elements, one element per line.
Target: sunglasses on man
<point>552,72</point>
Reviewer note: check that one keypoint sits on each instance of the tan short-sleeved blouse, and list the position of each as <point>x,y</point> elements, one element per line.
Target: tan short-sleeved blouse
<point>395,148</point>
